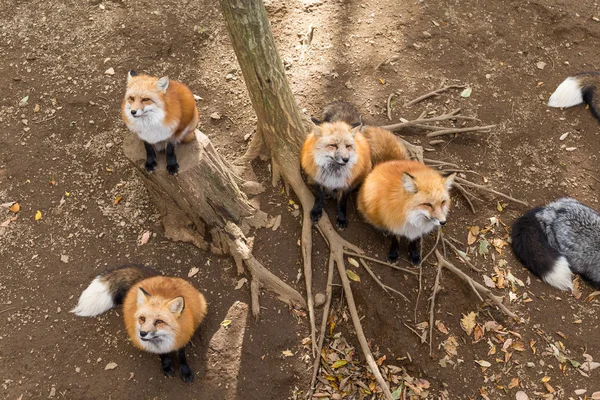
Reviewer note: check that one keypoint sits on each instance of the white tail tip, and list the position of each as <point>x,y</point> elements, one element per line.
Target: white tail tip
<point>560,276</point>
<point>567,94</point>
<point>94,300</point>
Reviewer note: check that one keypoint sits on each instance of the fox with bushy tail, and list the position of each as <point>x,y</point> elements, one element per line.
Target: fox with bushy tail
<point>161,313</point>
<point>557,240</point>
<point>577,89</point>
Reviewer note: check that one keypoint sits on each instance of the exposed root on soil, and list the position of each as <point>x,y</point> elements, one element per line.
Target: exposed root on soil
<point>423,122</point>
<point>385,287</point>
<point>433,93</point>
<point>408,271</point>
<point>436,288</point>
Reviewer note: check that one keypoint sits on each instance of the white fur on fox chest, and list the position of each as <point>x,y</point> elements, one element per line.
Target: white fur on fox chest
<point>150,126</point>
<point>417,225</point>
<point>333,176</point>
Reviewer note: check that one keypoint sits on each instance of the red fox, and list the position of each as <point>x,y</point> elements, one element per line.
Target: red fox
<point>162,113</point>
<point>336,157</point>
<point>577,89</point>
<point>384,145</point>
<point>161,314</point>
<point>405,198</point>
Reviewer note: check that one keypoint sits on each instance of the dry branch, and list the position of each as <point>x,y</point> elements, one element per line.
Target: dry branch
<point>385,287</point>
<point>460,130</point>
<point>408,271</point>
<point>477,287</point>
<point>465,182</point>
<point>433,93</point>
<point>436,287</point>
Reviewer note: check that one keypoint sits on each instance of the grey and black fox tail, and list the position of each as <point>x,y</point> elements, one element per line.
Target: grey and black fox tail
<point>109,289</point>
<point>340,110</point>
<point>531,247</point>
<point>577,89</point>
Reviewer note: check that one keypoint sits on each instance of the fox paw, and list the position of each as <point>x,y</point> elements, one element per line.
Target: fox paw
<point>414,258</point>
<point>342,224</point>
<point>150,166</point>
<point>173,169</point>
<point>393,256</point>
<point>168,370</point>
<point>187,375</point>
<point>315,215</point>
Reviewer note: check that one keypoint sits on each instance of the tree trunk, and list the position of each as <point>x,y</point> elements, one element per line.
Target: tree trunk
<point>205,205</point>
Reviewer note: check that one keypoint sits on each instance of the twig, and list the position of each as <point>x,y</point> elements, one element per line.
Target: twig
<point>307,40</point>
<point>487,189</point>
<point>408,271</point>
<point>477,286</point>
<point>376,279</point>
<point>323,327</point>
<point>444,117</point>
<point>465,195</point>
<point>389,104</point>
<point>460,130</point>
<point>592,176</point>
<point>388,60</point>
<point>437,163</point>
<point>8,309</point>
<point>414,331</point>
<point>45,119</point>
<point>433,93</point>
<point>436,286</point>
<point>458,253</point>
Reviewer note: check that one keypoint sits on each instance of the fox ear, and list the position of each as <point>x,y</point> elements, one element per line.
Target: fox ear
<point>142,296</point>
<point>176,305</point>
<point>449,180</point>
<point>356,128</point>
<point>317,131</point>
<point>131,74</point>
<point>316,121</point>
<point>408,181</point>
<point>162,83</point>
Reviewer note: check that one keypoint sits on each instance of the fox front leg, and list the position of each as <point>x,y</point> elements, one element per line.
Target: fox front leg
<point>342,222</point>
<point>167,365</point>
<point>150,164</point>
<point>317,210</point>
<point>172,166</point>
<point>186,372</point>
<point>414,251</point>
<point>394,252</point>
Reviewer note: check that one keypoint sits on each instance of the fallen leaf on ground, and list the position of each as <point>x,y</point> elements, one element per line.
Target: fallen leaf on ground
<point>240,283</point>
<point>110,365</point>
<point>467,322</point>
<point>337,364</point>
<point>145,238</point>
<point>441,327</point>
<point>117,200</point>
<point>38,215</point>
<point>225,323</point>
<point>287,353</point>
<point>466,93</point>
<point>352,275</point>
<point>15,208</point>
<point>353,262</point>
<point>483,363</point>
<point>513,383</point>
<point>193,271</point>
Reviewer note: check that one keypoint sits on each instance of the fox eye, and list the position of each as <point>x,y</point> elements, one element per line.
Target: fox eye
<point>444,203</point>
<point>145,99</point>
<point>142,319</point>
<point>427,205</point>
<point>333,146</point>
<point>130,98</point>
<point>159,321</point>
<point>349,146</point>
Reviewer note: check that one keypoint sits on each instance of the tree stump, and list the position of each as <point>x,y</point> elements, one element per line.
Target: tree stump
<point>205,204</point>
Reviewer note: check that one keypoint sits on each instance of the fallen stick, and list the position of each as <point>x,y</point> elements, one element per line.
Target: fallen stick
<point>436,287</point>
<point>389,105</point>
<point>408,271</point>
<point>437,163</point>
<point>487,189</point>
<point>465,195</point>
<point>381,284</point>
<point>433,93</point>
<point>458,253</point>
<point>388,60</point>
<point>460,130</point>
<point>475,285</point>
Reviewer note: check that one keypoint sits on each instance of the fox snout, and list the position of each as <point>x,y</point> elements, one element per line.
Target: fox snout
<point>134,112</point>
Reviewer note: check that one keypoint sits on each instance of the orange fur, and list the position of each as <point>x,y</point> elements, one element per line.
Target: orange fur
<point>162,290</point>
<point>178,103</point>
<point>338,130</point>
<point>385,203</point>
<point>384,145</point>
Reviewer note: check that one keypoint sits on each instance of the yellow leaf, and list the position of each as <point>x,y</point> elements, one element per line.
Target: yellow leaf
<point>291,202</point>
<point>287,353</point>
<point>545,379</point>
<point>382,81</point>
<point>118,199</point>
<point>471,238</point>
<point>339,363</point>
<point>67,194</point>
<point>225,323</point>
<point>353,262</point>
<point>513,383</point>
<point>15,208</point>
<point>38,215</point>
<point>499,207</point>
<point>352,275</point>
<point>467,322</point>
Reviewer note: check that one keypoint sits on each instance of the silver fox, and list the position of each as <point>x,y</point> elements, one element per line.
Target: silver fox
<point>557,240</point>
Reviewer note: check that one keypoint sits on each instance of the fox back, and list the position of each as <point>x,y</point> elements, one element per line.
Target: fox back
<point>158,110</point>
<point>161,314</point>
<point>405,198</point>
<point>336,156</point>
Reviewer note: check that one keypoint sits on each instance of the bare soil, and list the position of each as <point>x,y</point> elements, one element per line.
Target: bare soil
<point>60,154</point>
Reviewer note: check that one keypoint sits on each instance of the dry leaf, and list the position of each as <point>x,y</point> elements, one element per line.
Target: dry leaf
<point>483,363</point>
<point>353,262</point>
<point>478,332</point>
<point>337,364</point>
<point>441,327</point>
<point>15,208</point>
<point>287,353</point>
<point>467,322</point>
<point>513,383</point>
<point>145,238</point>
<point>117,200</point>
<point>110,365</point>
<point>352,275</point>
<point>240,283</point>
<point>226,322</point>
<point>38,215</point>
<point>489,282</point>
<point>193,271</point>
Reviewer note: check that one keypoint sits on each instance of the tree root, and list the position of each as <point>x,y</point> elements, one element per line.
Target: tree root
<point>385,287</point>
<point>433,93</point>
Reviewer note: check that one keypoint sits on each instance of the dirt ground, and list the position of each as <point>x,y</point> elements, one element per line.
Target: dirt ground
<point>60,154</point>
